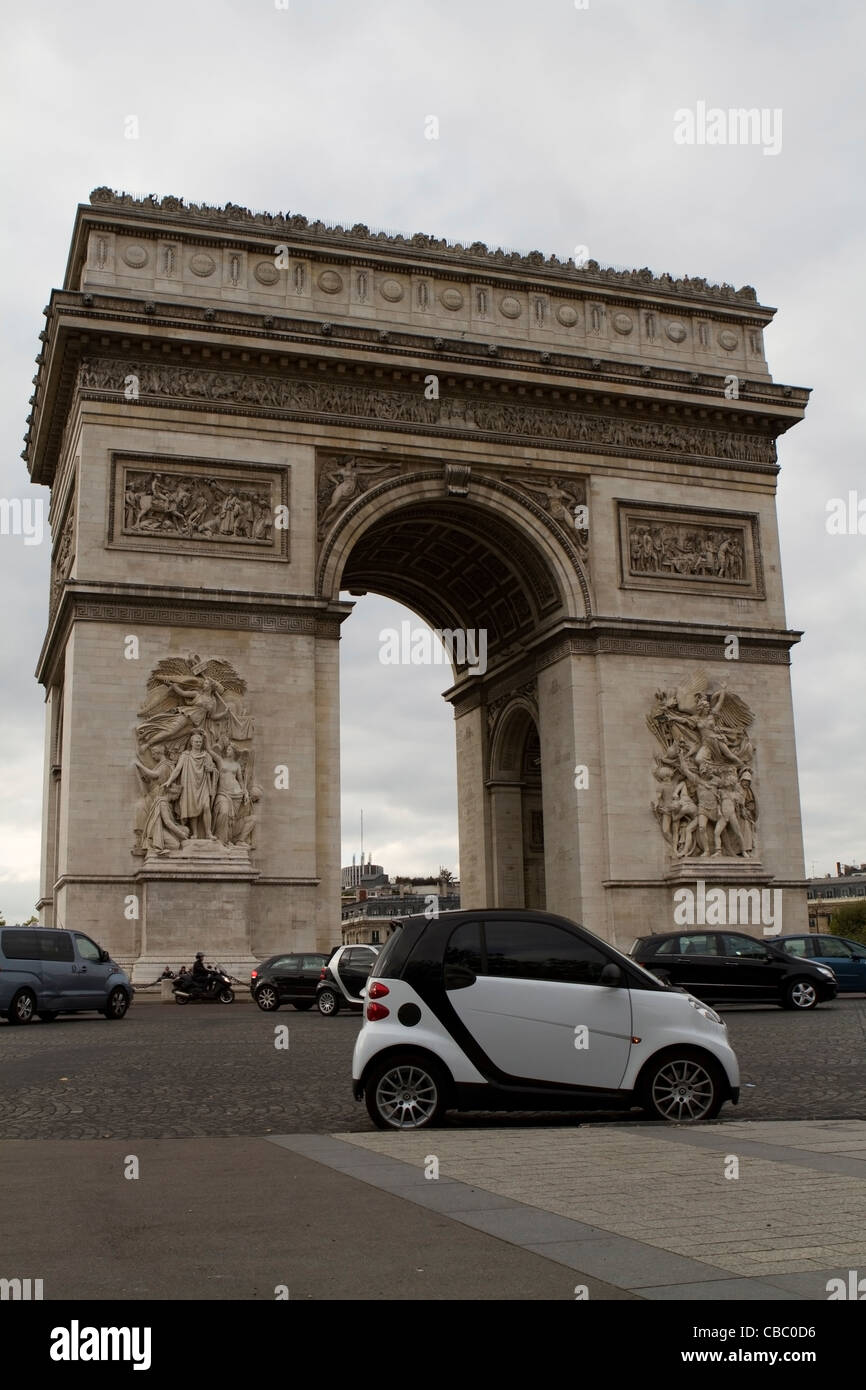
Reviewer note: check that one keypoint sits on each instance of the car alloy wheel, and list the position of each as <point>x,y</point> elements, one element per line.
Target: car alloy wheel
<point>800,994</point>
<point>328,1002</point>
<point>683,1089</point>
<point>405,1093</point>
<point>267,998</point>
<point>22,1008</point>
<point>117,1003</point>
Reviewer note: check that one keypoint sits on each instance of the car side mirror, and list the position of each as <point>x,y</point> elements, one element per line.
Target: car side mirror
<point>611,974</point>
<point>104,956</point>
<point>458,977</point>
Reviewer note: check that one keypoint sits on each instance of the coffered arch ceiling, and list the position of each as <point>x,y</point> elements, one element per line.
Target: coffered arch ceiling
<point>457,566</point>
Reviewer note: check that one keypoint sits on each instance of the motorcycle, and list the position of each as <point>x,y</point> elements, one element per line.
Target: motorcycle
<point>215,986</point>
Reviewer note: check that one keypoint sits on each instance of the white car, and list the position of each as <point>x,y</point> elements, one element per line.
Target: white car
<point>519,1010</point>
<point>341,983</point>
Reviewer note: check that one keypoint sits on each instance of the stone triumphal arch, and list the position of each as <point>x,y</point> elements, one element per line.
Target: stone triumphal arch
<point>242,417</point>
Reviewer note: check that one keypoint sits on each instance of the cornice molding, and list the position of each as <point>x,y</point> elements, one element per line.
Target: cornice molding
<point>176,607</point>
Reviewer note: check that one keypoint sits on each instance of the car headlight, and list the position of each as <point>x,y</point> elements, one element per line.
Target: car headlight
<point>825,970</point>
<point>705,1011</point>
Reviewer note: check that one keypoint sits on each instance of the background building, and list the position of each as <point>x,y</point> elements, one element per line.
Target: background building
<point>825,895</point>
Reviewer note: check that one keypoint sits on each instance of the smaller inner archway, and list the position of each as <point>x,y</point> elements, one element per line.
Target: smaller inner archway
<point>516,815</point>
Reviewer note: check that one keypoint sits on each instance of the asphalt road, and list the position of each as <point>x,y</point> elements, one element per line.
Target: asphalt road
<point>214,1071</point>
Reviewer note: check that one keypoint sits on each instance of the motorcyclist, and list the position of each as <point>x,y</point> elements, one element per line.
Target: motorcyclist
<point>199,971</point>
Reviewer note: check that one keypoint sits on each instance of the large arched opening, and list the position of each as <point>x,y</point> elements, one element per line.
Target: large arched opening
<point>490,576</point>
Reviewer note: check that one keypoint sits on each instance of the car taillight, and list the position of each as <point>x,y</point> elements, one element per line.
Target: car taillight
<point>324,973</point>
<point>376,1012</point>
<point>253,974</point>
<point>377,990</point>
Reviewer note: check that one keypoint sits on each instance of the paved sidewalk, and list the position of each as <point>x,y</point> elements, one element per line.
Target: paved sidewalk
<point>608,1212</point>
<point>652,1210</point>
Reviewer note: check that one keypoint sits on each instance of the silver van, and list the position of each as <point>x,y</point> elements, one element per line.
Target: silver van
<point>50,971</point>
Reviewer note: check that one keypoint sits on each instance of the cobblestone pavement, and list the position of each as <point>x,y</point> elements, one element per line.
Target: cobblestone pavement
<point>215,1071</point>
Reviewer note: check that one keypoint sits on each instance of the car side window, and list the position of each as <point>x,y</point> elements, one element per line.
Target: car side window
<point>312,962</point>
<point>361,960</point>
<point>284,963</point>
<point>744,946</point>
<point>797,946</point>
<point>541,951</point>
<point>87,949</point>
<point>20,945</point>
<point>834,947</point>
<point>704,943</point>
<point>464,948</point>
<point>671,947</point>
<point>55,945</point>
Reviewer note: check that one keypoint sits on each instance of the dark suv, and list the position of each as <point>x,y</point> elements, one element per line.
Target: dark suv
<point>288,979</point>
<point>729,967</point>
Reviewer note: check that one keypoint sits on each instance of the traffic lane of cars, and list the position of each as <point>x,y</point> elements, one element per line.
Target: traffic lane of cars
<point>219,1072</point>
<point>726,967</point>
<point>331,982</point>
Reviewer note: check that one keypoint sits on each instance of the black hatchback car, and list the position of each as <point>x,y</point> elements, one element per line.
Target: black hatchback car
<point>287,979</point>
<point>729,967</point>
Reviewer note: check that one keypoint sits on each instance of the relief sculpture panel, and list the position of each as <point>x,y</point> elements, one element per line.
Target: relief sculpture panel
<point>690,550</point>
<point>196,505</point>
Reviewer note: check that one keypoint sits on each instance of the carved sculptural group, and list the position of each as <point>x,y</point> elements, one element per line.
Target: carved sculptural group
<point>677,549</point>
<point>706,804</point>
<point>193,506</point>
<point>194,761</point>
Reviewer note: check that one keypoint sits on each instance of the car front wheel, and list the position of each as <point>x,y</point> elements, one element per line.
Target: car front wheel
<point>799,994</point>
<point>22,1008</point>
<point>328,1002</point>
<point>118,1003</point>
<point>405,1092</point>
<point>684,1088</point>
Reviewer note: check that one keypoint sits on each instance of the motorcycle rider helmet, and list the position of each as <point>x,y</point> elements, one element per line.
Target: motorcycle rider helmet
<point>199,955</point>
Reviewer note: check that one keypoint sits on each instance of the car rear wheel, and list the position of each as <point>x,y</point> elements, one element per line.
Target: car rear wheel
<point>22,1008</point>
<point>799,994</point>
<point>302,1005</point>
<point>405,1092</point>
<point>328,1002</point>
<point>118,1003</point>
<point>267,998</point>
<point>683,1087</point>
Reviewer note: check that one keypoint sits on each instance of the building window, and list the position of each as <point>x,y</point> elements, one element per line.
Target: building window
<point>374,938</point>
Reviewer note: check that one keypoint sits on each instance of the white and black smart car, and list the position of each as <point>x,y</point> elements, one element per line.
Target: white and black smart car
<point>520,1010</point>
<point>343,978</point>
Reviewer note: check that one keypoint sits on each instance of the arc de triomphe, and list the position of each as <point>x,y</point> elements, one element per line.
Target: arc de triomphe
<point>241,416</point>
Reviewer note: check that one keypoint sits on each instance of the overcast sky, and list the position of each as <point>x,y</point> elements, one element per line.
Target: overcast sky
<point>555,130</point>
